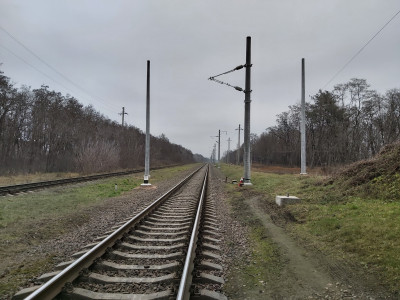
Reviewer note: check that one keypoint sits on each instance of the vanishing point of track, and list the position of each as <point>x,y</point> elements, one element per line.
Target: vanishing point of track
<point>167,251</point>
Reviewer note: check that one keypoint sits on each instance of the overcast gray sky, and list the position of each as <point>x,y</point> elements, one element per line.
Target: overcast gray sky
<point>103,46</point>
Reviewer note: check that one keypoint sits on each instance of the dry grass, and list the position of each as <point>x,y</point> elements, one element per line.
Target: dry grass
<point>293,170</point>
<point>35,177</point>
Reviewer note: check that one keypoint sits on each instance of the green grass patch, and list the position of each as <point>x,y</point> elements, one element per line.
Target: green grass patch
<point>361,225</point>
<point>12,279</point>
<point>61,201</point>
<point>252,273</point>
<point>366,230</point>
<point>29,219</point>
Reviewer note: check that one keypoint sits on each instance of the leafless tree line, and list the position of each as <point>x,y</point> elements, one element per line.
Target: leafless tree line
<point>349,123</point>
<point>43,131</point>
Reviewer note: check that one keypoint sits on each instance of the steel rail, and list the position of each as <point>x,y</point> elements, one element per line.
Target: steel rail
<point>54,286</point>
<point>186,279</point>
<point>13,189</point>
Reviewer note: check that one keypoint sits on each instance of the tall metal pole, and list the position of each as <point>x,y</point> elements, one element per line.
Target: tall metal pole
<point>229,150</point>
<point>303,121</point>
<point>238,146</point>
<point>219,146</point>
<point>214,150</point>
<point>247,101</point>
<point>147,155</point>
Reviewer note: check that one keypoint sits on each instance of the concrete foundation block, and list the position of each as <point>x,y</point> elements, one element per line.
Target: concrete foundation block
<point>285,200</point>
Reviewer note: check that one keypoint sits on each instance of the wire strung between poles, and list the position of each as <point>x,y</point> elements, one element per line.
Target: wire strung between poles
<point>221,82</point>
<point>227,72</point>
<point>212,78</point>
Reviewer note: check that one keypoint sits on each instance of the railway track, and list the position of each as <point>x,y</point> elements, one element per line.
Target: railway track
<point>18,188</point>
<point>167,251</point>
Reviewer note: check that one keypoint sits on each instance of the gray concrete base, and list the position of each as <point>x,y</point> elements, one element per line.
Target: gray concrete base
<point>207,294</point>
<point>79,293</point>
<point>100,278</point>
<point>22,294</point>
<point>209,278</point>
<point>285,200</point>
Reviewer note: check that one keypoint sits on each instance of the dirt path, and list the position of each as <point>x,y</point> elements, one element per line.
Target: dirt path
<point>302,275</point>
<point>307,274</point>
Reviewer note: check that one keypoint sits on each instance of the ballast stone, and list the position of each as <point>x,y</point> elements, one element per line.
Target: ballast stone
<point>285,200</point>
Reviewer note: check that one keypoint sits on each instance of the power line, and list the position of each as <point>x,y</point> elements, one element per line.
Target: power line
<point>212,78</point>
<point>49,66</point>
<point>33,67</point>
<point>359,51</point>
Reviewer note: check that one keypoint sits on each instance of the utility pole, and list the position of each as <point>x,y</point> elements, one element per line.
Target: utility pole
<point>123,114</point>
<point>229,150</point>
<point>219,144</point>
<point>238,146</point>
<point>247,101</point>
<point>303,121</point>
<point>214,150</point>
<point>147,154</point>
<point>219,147</point>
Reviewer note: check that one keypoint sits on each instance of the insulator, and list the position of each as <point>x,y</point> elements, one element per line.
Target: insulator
<point>238,88</point>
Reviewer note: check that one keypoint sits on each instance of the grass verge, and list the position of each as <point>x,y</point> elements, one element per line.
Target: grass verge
<point>362,228</point>
<point>29,219</point>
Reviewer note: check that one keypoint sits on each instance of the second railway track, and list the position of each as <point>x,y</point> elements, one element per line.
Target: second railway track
<point>18,188</point>
<point>168,251</point>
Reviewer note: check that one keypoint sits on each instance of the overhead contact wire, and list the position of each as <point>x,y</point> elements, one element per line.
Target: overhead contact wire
<point>103,102</point>
<point>359,51</point>
<point>212,78</point>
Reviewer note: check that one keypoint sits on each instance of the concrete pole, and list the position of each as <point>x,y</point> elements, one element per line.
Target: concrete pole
<point>238,146</point>
<point>219,147</point>
<point>147,154</point>
<point>214,150</point>
<point>247,101</point>
<point>303,121</point>
<point>229,150</point>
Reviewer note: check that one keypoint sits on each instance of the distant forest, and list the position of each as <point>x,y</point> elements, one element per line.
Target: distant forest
<point>43,131</point>
<point>350,123</point>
